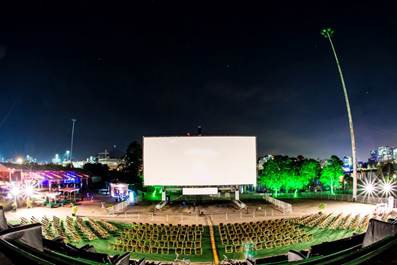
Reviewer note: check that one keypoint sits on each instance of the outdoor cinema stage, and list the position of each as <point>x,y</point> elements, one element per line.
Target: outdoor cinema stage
<point>200,165</point>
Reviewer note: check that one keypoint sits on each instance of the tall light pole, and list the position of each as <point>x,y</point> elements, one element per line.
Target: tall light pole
<point>327,33</point>
<point>71,140</point>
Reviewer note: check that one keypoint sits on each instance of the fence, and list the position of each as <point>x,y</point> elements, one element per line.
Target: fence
<point>337,197</point>
<point>227,217</point>
<point>118,208</point>
<point>282,206</point>
<point>117,212</point>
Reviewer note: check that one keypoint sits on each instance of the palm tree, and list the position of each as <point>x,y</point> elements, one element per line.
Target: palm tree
<point>327,33</point>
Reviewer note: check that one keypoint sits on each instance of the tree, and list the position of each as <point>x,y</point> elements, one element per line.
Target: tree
<point>386,170</point>
<point>331,173</point>
<point>289,173</point>
<point>308,171</point>
<point>271,175</point>
<point>99,170</point>
<point>133,169</point>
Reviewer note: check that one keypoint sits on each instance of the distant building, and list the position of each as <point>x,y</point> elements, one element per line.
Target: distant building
<point>362,165</point>
<point>56,160</point>
<point>347,164</point>
<point>112,160</point>
<point>385,153</point>
<point>395,154</point>
<point>373,157</point>
<point>79,164</point>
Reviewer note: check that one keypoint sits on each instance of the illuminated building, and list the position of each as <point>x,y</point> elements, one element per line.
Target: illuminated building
<point>373,157</point>
<point>385,153</point>
<point>110,160</point>
<point>347,164</point>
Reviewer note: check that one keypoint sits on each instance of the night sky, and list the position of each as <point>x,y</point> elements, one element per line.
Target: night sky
<point>162,68</point>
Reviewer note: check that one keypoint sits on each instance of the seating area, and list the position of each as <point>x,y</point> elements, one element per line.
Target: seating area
<point>73,229</point>
<point>261,234</point>
<point>108,226</point>
<point>99,230</point>
<point>356,223</point>
<point>193,241</point>
<point>84,230</point>
<point>161,239</point>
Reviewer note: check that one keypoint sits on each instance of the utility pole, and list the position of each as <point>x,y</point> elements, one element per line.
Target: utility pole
<point>327,33</point>
<point>71,140</point>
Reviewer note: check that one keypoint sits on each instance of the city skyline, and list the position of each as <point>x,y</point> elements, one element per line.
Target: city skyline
<point>267,73</point>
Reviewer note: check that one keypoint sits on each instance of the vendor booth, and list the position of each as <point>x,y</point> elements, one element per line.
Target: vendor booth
<point>46,187</point>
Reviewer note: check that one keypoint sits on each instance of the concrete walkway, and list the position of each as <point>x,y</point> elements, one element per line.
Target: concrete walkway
<point>183,215</point>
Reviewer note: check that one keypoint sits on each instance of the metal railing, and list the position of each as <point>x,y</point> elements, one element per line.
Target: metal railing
<point>280,205</point>
<point>226,217</point>
<point>118,208</point>
<point>337,197</point>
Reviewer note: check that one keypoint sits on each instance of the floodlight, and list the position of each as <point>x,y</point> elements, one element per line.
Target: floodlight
<point>14,191</point>
<point>368,187</point>
<point>28,192</point>
<point>19,160</point>
<point>388,187</point>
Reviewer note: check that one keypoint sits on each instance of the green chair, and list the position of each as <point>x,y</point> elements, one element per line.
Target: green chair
<point>228,249</point>
<point>188,251</point>
<point>165,250</point>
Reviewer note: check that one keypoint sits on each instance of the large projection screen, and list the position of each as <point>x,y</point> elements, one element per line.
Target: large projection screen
<point>199,161</point>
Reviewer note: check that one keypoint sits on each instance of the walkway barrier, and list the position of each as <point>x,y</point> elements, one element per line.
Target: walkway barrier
<point>338,197</point>
<point>118,208</point>
<point>280,205</point>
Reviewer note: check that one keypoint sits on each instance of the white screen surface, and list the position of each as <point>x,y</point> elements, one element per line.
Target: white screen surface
<point>200,191</point>
<point>199,161</point>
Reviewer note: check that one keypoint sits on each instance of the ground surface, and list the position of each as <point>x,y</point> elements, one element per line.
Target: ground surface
<point>189,214</point>
<point>220,211</point>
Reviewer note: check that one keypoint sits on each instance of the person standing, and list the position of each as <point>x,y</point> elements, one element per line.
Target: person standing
<point>74,210</point>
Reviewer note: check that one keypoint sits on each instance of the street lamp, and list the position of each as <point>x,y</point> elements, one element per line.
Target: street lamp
<point>327,33</point>
<point>14,192</point>
<point>71,140</point>
<point>19,160</point>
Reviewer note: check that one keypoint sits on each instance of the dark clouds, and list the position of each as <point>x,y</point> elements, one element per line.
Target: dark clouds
<point>3,51</point>
<point>162,69</point>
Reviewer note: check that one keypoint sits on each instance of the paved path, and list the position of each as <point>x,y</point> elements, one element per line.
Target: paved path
<point>188,215</point>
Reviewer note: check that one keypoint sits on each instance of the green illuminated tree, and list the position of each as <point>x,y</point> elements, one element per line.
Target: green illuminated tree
<point>292,180</point>
<point>331,173</point>
<point>309,170</point>
<point>283,172</point>
<point>271,176</point>
<point>289,174</point>
<point>298,173</point>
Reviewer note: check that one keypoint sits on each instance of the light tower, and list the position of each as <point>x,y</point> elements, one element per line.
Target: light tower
<point>327,33</point>
<point>71,140</point>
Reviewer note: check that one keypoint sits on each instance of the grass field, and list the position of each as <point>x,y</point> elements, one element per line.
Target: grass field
<point>319,236</point>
